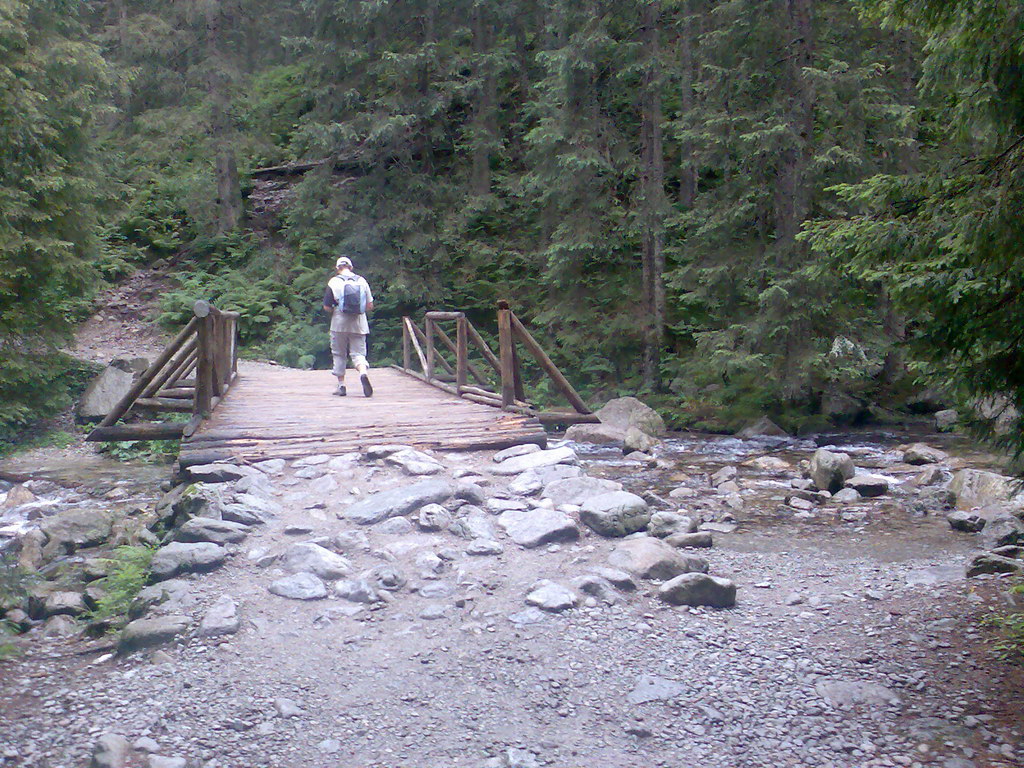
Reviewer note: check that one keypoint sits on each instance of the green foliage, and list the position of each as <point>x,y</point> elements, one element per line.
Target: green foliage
<point>129,570</point>
<point>149,451</point>
<point>40,386</point>
<point>15,583</point>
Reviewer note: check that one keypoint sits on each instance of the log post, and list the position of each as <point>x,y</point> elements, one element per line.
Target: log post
<point>204,368</point>
<point>406,350</point>
<point>429,343</point>
<point>411,329</point>
<point>461,352</point>
<point>506,353</point>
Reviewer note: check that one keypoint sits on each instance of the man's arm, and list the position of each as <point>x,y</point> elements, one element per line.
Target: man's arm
<point>329,301</point>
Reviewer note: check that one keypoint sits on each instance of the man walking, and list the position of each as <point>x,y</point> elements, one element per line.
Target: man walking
<point>347,299</point>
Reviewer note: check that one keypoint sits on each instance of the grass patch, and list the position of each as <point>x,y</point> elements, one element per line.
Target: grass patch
<point>15,583</point>
<point>150,451</point>
<point>1010,645</point>
<point>129,572</point>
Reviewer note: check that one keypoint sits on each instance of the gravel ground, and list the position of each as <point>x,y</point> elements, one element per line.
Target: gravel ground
<point>843,651</point>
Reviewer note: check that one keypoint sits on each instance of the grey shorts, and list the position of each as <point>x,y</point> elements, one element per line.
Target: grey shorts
<point>351,344</point>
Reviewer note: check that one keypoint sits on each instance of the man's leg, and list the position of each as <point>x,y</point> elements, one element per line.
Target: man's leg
<point>357,350</point>
<point>339,344</point>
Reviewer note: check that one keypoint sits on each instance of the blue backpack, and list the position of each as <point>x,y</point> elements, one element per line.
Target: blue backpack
<point>353,298</point>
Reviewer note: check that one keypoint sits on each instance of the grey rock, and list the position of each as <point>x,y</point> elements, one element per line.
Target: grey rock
<point>308,557</point>
<point>651,558</point>
<point>75,529</point>
<point>977,488</point>
<point>214,531</point>
<point>178,557</point>
<point>436,590</point>
<point>519,464</point>
<point>287,708</point>
<point>397,501</point>
<point>532,528</point>
<point>64,603</point>
<point>846,496</point>
<point>143,633</point>
<point>636,439</point>
<point>519,758</point>
<point>698,589</point>
<point>161,761</point>
<point>701,539</point>
<point>475,524</point>
<point>552,597</point>
<point>515,450</point>
<point>595,434</point>
<point>829,470</point>
<point>433,612</point>
<point>272,467</point>
<point>920,453</point>
<point>595,586</point>
<point>385,577</point>
<point>868,485</point>
<point>414,462</point>
<point>470,492</point>
<point>931,475</point>
<point>1001,528</point>
<point>615,514</point>
<point>621,580</point>
<point>724,475</point>
<point>484,547</point>
<point>497,506</point>
<point>987,562</point>
<point>664,524</point>
<point>576,490</point>
<point>216,473</point>
<point>945,420</point>
<point>220,619</point>
<point>383,451</point>
<point>654,688</point>
<point>965,521</point>
<point>172,594</point>
<point>626,412</point>
<point>103,393</point>
<point>554,472</point>
<point>329,746</point>
<point>843,694</point>
<point>111,750</point>
<point>433,517</point>
<point>762,427</point>
<point>299,586</point>
<point>395,526</point>
<point>61,626</point>
<point>357,591</point>
<point>526,484</point>
<point>528,616</point>
<point>146,744</point>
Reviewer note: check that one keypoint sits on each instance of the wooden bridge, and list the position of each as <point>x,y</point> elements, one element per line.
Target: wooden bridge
<point>224,412</point>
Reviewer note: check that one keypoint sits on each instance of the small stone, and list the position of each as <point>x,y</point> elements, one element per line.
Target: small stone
<point>965,521</point>
<point>110,751</point>
<point>180,557</point>
<point>433,517</point>
<point>702,539</point>
<point>664,524</point>
<point>433,612</point>
<point>160,761</point>
<point>483,547</point>
<point>287,708</point>
<point>146,744</point>
<point>552,597</point>
<point>699,589</point>
<point>395,526</point>
<point>329,746</point>
<point>142,633</point>
<point>300,586</point>
<point>869,486</point>
<point>220,619</point>
<point>515,450</point>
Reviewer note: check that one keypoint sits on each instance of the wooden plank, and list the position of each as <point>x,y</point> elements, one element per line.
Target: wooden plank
<point>406,348</point>
<point>164,404</point>
<point>428,345</point>
<point>549,367</point>
<point>172,369</point>
<point>204,372</point>
<point>419,352</point>
<point>434,316</point>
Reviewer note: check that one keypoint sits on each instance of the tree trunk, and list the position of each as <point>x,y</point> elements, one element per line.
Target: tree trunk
<point>484,128</point>
<point>228,203</point>
<point>652,199</point>
<point>688,175</point>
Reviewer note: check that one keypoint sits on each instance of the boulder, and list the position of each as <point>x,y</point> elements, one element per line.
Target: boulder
<point>483,547</point>
<point>700,539</point>
<point>104,392</point>
<point>549,474</point>
<point>576,490</point>
<point>357,591</point>
<point>214,531</point>
<point>414,462</point>
<point>841,408</point>
<point>698,589</point>
<point>945,421</point>
<point>398,501</point>
<point>220,619</point>
<point>596,434</point>
<point>170,595</point>
<point>965,521</point>
<point>1001,529</point>
<point>595,586</point>
<point>515,450</point>
<point>978,488</point>
<point>519,464</point>
<point>829,471</point>
<point>920,453</point>
<point>75,529</point>
<point>626,412</point>
<point>664,524</point>
<point>299,586</point>
<point>621,580</point>
<point>433,517</point>
<point>615,514</point>
<point>526,484</point>
<point>636,439</point>
<point>217,473</point>
<point>143,633</point>
<point>64,604</point>
<point>869,486</point>
<point>987,562</point>
<point>552,597</point>
<point>722,476</point>
<point>651,558</point>
<point>532,528</point>
<point>846,496</point>
<point>111,750</point>
<point>179,557</point>
<point>762,427</point>
<point>473,523</point>
<point>308,557</point>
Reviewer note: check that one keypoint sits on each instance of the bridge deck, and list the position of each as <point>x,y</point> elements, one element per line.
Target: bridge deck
<point>272,412</point>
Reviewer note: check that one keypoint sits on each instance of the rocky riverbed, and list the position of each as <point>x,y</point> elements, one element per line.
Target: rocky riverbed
<point>557,608</point>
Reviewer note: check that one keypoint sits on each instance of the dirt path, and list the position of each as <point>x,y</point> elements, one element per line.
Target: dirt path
<point>843,651</point>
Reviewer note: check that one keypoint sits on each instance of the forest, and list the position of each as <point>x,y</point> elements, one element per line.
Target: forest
<point>803,208</point>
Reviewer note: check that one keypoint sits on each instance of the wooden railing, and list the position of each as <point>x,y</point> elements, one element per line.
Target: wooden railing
<point>191,375</point>
<point>497,378</point>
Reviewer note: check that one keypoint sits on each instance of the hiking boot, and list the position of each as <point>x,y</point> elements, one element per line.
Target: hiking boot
<point>367,387</point>
<point>341,391</point>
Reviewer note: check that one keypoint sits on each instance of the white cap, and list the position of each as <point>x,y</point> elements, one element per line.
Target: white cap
<point>343,261</point>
